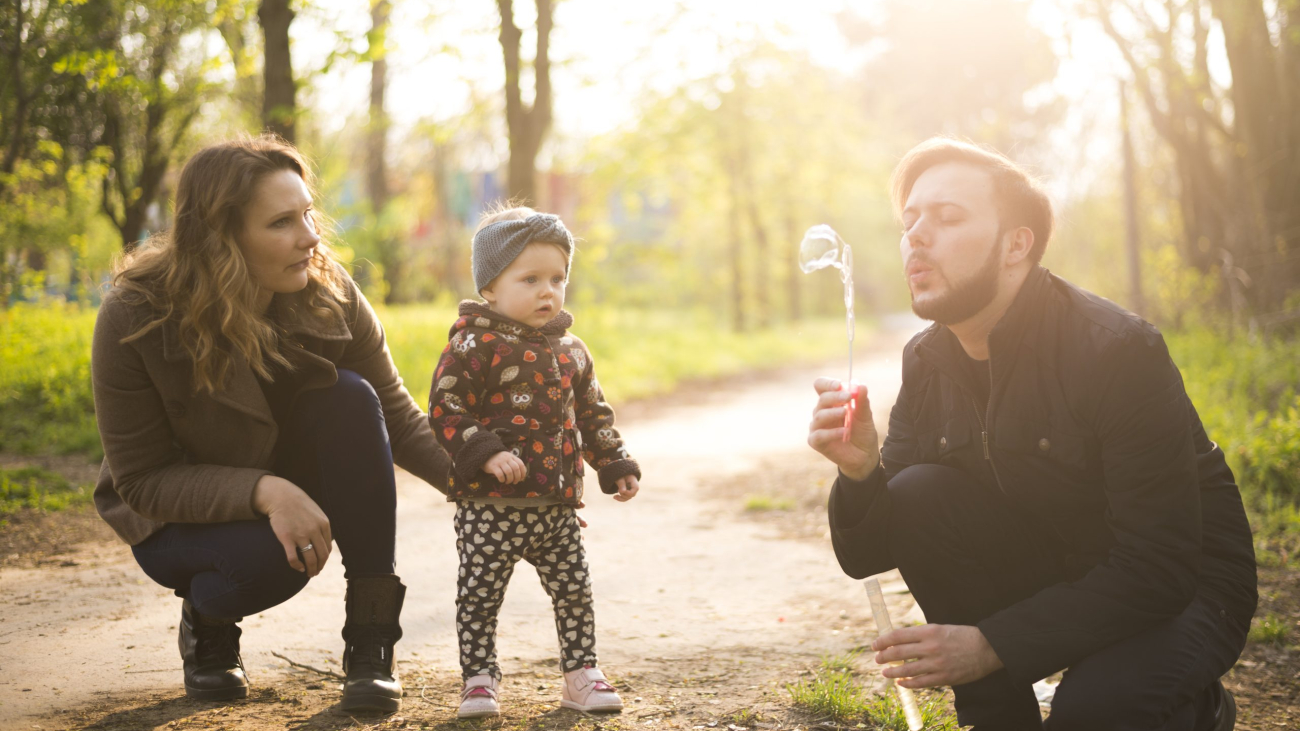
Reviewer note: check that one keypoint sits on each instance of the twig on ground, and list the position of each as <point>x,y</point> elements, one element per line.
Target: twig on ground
<point>426,700</point>
<point>303,666</point>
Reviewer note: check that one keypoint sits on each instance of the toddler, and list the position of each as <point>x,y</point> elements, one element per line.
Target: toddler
<point>516,403</point>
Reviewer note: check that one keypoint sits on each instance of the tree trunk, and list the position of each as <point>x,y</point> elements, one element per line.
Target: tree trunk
<point>1131,209</point>
<point>736,247</point>
<point>279,110</point>
<point>762,265</point>
<point>527,125</point>
<point>377,148</point>
<point>793,275</point>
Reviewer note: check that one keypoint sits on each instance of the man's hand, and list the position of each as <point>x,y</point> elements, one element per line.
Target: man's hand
<point>858,457</point>
<point>936,654</point>
<point>507,468</point>
<point>627,488</point>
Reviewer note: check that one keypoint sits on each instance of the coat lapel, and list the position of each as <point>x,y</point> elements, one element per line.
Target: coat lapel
<point>242,392</point>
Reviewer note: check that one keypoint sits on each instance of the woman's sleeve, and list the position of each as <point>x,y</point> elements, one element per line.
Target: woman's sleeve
<point>148,466</point>
<point>414,447</point>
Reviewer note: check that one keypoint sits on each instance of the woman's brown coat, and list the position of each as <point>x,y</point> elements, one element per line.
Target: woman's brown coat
<point>174,455</point>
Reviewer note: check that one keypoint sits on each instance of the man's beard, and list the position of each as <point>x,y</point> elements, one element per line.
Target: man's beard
<point>966,298</point>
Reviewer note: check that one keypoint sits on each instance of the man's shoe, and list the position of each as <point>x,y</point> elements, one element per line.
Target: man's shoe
<point>210,655</point>
<point>373,604</point>
<point>1225,710</point>
<point>478,699</point>
<point>586,689</point>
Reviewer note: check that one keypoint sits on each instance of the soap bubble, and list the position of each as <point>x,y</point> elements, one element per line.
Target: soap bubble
<point>821,248</point>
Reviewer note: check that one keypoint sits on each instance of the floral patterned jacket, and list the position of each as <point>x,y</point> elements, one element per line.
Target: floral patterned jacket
<point>505,386</point>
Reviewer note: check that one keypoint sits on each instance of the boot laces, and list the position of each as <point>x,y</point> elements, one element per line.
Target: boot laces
<point>219,645</point>
<point>369,648</point>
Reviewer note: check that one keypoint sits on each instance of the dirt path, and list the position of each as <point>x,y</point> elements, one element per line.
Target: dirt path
<point>683,577</point>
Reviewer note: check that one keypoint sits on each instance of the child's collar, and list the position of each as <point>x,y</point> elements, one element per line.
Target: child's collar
<point>557,325</point>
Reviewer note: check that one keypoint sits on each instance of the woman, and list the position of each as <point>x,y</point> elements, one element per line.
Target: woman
<point>251,415</point>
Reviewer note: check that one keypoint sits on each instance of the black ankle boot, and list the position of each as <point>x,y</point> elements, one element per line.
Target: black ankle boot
<point>374,604</point>
<point>210,653</point>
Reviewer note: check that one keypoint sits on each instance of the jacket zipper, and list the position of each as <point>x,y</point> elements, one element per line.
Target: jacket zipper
<point>984,432</point>
<point>984,436</point>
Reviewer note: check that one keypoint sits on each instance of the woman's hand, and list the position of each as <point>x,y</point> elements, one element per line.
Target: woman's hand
<point>297,521</point>
<point>507,468</point>
<point>627,488</point>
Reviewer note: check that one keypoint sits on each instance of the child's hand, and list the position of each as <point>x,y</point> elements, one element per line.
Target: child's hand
<point>507,468</point>
<point>627,487</point>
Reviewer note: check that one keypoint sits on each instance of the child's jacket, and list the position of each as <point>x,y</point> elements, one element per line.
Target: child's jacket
<point>502,385</point>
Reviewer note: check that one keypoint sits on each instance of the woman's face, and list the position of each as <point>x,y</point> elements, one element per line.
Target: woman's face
<point>279,236</point>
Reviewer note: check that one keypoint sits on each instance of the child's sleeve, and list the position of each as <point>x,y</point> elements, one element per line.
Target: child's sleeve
<point>602,445</point>
<point>457,392</point>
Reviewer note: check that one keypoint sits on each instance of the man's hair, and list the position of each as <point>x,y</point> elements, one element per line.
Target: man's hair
<point>1020,197</point>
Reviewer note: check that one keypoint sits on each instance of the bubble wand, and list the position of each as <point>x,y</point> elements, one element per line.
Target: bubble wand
<point>822,248</point>
<point>883,624</point>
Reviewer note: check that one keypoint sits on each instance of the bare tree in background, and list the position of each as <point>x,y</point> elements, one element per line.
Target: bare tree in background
<point>148,111</point>
<point>279,110</point>
<point>1236,145</point>
<point>389,248</point>
<point>527,125</point>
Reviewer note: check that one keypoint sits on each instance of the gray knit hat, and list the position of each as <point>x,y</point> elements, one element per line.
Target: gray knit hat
<point>498,244</point>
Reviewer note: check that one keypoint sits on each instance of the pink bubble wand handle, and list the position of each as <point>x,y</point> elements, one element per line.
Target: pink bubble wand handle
<point>850,409</point>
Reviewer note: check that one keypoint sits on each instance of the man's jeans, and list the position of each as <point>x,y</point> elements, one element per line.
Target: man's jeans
<point>966,553</point>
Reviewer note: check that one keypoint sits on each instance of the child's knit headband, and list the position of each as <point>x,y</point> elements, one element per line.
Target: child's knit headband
<point>498,244</point>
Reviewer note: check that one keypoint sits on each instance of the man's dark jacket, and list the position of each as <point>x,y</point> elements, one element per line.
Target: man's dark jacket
<point>1088,428</point>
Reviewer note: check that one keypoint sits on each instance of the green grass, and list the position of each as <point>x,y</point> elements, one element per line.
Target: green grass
<point>638,353</point>
<point>762,503</point>
<point>1245,391</point>
<point>31,487</point>
<point>833,693</point>
<point>47,407</point>
<point>45,397</point>
<point>1271,629</point>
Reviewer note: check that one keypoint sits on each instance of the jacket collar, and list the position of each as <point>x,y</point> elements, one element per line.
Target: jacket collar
<point>290,311</point>
<point>941,348</point>
<point>471,312</point>
<point>293,315</point>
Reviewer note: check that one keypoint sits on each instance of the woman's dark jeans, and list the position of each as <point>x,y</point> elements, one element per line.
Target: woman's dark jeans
<point>335,447</point>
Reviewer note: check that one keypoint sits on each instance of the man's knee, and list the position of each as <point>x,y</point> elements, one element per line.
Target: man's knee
<point>921,494</point>
<point>1087,700</point>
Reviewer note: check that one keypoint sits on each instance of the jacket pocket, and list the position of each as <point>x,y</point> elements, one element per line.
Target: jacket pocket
<point>1043,442</point>
<point>945,444</point>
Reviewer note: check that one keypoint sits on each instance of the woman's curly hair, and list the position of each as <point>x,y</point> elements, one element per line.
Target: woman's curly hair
<point>195,275</point>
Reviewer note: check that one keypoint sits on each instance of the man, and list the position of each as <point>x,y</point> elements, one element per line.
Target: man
<point>1046,488</point>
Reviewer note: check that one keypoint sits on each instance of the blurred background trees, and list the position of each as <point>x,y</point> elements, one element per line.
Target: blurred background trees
<point>711,157</point>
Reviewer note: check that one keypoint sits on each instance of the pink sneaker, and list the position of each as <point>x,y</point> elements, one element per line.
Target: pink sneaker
<point>479,698</point>
<point>586,689</point>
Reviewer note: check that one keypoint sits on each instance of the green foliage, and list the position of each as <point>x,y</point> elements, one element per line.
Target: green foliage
<point>1271,629</point>
<point>46,404</point>
<point>49,210</point>
<point>833,693</point>
<point>1245,391</point>
<point>39,489</point>
<point>45,396</point>
<point>638,353</point>
<point>763,503</point>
